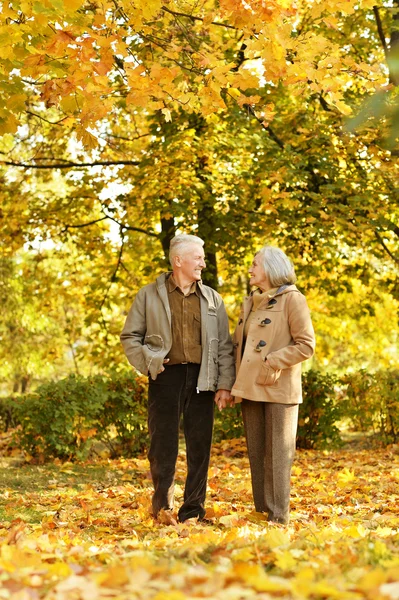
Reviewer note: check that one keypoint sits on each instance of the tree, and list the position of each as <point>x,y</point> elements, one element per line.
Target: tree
<point>223,120</point>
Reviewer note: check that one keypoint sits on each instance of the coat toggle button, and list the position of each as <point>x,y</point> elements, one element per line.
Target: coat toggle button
<point>265,322</point>
<point>261,344</point>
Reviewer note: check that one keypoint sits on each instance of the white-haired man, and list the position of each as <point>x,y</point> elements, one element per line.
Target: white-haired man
<point>177,333</point>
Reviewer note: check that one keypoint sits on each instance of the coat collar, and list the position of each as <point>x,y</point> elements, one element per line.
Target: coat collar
<point>283,289</point>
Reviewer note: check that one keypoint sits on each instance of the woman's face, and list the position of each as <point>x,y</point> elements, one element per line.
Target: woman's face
<point>258,275</point>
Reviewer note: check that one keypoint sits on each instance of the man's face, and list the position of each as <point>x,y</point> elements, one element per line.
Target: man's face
<point>191,262</point>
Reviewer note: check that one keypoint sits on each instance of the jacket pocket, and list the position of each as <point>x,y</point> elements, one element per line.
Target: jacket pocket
<point>267,376</point>
<point>154,343</point>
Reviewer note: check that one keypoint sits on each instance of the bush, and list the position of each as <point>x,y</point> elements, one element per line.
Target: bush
<point>319,412</point>
<point>228,424</point>
<point>62,419</point>
<point>66,419</point>
<point>372,403</point>
<point>123,423</point>
<point>8,418</point>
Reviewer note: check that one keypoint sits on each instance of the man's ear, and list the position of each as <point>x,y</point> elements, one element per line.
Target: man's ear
<point>177,261</point>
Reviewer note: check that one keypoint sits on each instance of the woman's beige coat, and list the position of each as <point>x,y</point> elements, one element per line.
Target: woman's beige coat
<point>273,374</point>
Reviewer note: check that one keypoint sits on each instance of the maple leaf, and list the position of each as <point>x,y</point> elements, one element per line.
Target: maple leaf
<point>88,140</point>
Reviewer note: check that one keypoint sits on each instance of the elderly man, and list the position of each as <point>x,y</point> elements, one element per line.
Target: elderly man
<point>177,332</point>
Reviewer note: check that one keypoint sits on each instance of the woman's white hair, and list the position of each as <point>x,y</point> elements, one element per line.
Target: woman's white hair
<point>278,267</point>
<point>179,242</point>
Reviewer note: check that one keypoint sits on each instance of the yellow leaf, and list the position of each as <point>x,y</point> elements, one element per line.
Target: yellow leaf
<point>229,520</point>
<point>88,140</point>
<point>61,570</point>
<point>73,5</point>
<point>243,554</point>
<point>167,114</point>
<point>115,577</point>
<point>346,475</point>
<point>326,590</point>
<point>285,560</point>
<point>150,8</point>
<point>356,531</point>
<point>255,576</point>
<point>8,124</point>
<point>69,104</point>
<point>175,595</point>
<point>17,102</point>
<point>276,538</point>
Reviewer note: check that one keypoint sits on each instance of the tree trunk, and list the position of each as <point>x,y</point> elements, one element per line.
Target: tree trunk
<point>168,231</point>
<point>206,212</point>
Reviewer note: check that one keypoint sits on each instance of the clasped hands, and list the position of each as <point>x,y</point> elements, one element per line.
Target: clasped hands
<point>223,398</point>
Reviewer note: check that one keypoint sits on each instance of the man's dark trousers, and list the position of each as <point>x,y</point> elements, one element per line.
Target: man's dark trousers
<point>171,395</point>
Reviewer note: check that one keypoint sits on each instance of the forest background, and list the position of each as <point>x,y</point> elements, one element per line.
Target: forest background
<point>245,123</point>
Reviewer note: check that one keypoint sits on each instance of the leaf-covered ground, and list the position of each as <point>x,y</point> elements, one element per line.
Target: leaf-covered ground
<point>80,532</point>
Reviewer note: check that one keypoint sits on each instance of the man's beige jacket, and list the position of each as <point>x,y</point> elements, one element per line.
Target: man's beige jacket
<point>147,335</point>
<point>280,337</point>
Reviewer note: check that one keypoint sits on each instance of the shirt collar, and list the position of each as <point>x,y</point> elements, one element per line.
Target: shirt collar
<point>172,286</point>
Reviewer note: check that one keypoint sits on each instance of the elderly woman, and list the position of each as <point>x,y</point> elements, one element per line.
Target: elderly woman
<point>273,336</point>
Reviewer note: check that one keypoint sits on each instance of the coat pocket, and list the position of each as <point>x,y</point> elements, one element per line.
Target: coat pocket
<point>267,376</point>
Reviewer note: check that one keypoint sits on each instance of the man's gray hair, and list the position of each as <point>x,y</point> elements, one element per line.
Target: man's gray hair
<point>277,266</point>
<point>178,243</point>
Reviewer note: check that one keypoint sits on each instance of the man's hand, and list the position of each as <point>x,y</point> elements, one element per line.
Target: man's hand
<point>223,398</point>
<point>163,368</point>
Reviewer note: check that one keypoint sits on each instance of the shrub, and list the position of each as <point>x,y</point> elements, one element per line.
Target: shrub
<point>62,419</point>
<point>65,419</point>
<point>319,413</point>
<point>228,424</point>
<point>359,403</point>
<point>372,403</point>
<point>122,425</point>
<point>8,417</point>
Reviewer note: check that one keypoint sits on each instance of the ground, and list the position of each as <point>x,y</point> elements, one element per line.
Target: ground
<point>84,531</point>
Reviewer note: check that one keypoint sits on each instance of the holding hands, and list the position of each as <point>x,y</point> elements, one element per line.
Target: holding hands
<point>223,398</point>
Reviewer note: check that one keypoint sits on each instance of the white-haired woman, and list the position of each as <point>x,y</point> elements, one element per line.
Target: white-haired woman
<point>273,337</point>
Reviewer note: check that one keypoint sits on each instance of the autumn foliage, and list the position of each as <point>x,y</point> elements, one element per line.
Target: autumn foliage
<point>176,54</point>
<point>85,531</point>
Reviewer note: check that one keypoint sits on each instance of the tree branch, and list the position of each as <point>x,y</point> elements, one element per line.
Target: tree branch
<point>121,225</point>
<point>380,30</point>
<point>28,112</point>
<point>130,227</point>
<point>269,130</point>
<point>84,224</point>
<point>324,104</point>
<point>180,14</point>
<point>387,250</point>
<point>69,164</point>
<point>121,137</point>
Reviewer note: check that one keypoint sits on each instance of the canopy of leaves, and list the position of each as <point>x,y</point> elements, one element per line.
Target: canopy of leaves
<point>163,56</point>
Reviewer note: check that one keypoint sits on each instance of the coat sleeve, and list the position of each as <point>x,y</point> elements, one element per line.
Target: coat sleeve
<point>302,334</point>
<point>133,333</point>
<point>226,371</point>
